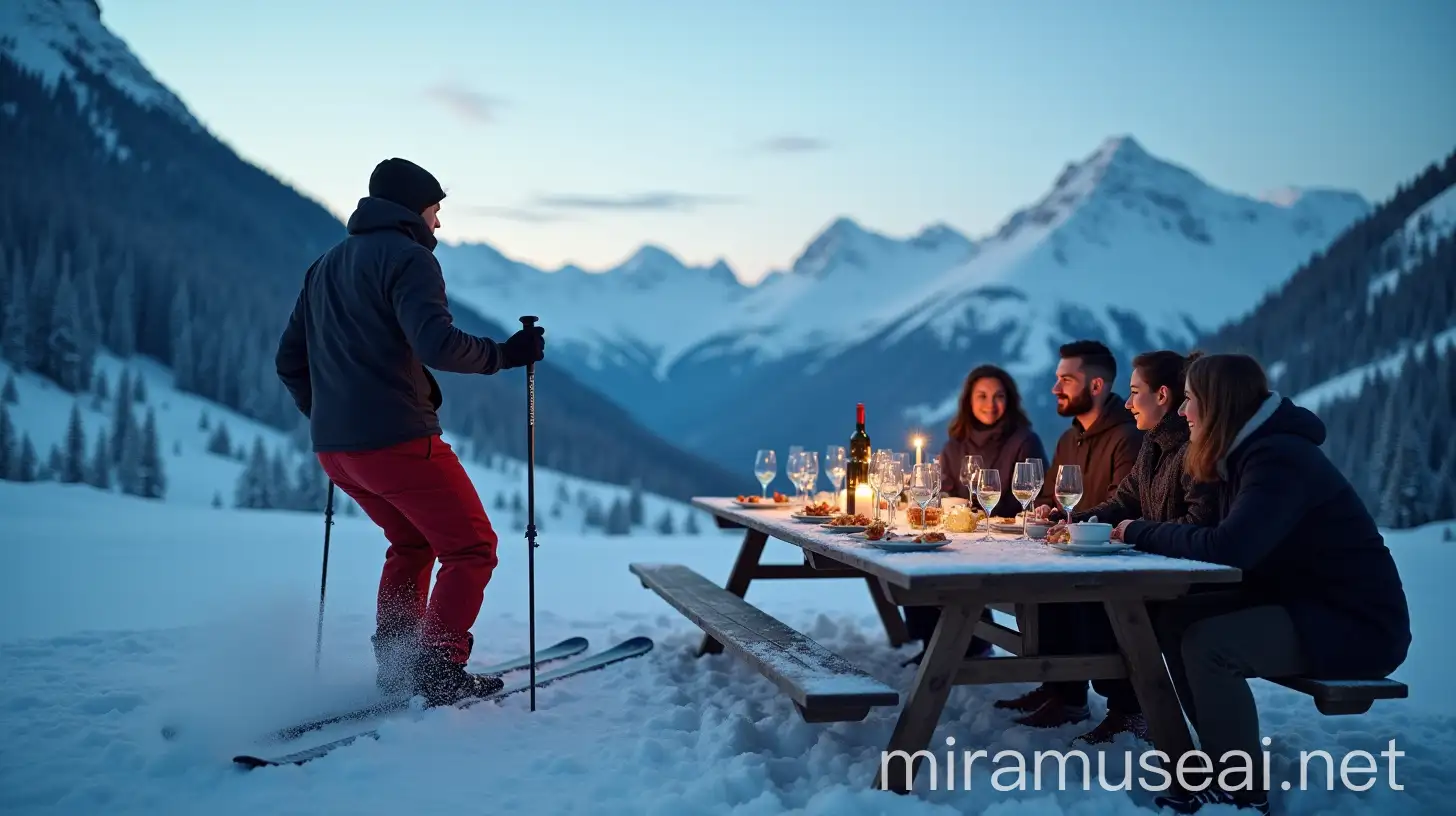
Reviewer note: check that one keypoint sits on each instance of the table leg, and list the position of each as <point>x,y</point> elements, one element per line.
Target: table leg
<point>933,682</point>
<point>748,555</point>
<point>895,627</point>
<point>1149,676</point>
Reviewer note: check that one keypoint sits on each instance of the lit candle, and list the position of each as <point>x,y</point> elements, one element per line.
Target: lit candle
<point>864,499</point>
<point>918,443</point>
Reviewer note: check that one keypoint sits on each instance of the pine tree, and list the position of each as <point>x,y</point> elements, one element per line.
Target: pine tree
<point>1407,496</point>
<point>98,473</point>
<point>152,477</point>
<point>43,279</point>
<point>691,525</point>
<point>139,388</point>
<point>129,466</point>
<point>203,423</point>
<point>619,519</point>
<point>54,466</point>
<point>10,394</point>
<point>73,462</point>
<point>89,309</point>
<point>310,485</point>
<point>63,343</point>
<point>635,510</point>
<point>122,420</point>
<point>217,499</point>
<point>8,450</point>
<point>27,465</point>
<point>517,502</point>
<point>664,523</point>
<point>218,442</point>
<point>121,334</point>
<point>15,336</point>
<point>100,391</point>
<point>251,491</point>
<point>180,337</point>
<point>594,518</point>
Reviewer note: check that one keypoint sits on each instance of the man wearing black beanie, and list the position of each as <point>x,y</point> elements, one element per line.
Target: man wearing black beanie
<point>371,320</point>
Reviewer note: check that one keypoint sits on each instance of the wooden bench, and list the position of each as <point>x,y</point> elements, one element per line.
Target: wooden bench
<point>1335,697</point>
<point>824,686</point>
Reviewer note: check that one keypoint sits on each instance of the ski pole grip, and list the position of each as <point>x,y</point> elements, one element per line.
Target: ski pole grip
<point>527,321</point>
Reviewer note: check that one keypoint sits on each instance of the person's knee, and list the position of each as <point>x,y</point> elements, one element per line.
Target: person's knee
<point>1210,645</point>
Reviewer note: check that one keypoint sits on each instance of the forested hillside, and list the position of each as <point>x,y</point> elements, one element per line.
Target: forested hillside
<point>1363,335</point>
<point>124,228</point>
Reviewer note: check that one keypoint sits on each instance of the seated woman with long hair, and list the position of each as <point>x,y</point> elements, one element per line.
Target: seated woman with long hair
<point>1158,488</point>
<point>1320,594</point>
<point>989,423</point>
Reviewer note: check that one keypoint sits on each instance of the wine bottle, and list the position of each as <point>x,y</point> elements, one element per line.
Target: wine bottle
<point>857,466</point>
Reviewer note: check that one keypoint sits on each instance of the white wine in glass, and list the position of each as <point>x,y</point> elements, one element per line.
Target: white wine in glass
<point>1068,488</point>
<point>988,490</point>
<point>1024,487</point>
<point>765,467</point>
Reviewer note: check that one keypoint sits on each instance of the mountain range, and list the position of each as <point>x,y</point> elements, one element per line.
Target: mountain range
<point>1124,247</point>
<point>127,228</point>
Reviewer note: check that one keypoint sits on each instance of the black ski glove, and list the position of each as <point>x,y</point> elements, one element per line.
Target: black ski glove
<point>525,346</point>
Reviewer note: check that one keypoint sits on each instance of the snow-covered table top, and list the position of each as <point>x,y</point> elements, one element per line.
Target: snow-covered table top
<point>968,562</point>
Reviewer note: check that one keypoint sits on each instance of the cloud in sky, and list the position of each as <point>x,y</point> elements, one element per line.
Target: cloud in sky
<point>521,214</point>
<point>656,201</point>
<point>791,144</point>
<point>467,103</point>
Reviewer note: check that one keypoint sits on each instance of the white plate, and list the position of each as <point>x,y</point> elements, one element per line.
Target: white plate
<point>837,528</point>
<point>800,517</point>
<point>906,545</point>
<point>763,505</point>
<point>1109,548</point>
<point>1006,528</point>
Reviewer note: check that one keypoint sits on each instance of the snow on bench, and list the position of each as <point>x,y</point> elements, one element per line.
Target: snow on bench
<point>824,686</point>
<point>1334,697</point>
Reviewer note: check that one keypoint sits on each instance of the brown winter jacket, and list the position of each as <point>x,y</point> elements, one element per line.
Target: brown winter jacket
<point>1106,452</point>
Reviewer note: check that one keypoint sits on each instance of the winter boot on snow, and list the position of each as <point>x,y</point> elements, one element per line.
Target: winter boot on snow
<point>442,681</point>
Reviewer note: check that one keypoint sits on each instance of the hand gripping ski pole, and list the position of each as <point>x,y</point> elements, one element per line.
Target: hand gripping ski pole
<point>528,322</point>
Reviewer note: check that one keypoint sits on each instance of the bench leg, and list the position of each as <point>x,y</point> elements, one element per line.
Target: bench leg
<point>895,627</point>
<point>748,556</point>
<point>933,682</point>
<point>1167,729</point>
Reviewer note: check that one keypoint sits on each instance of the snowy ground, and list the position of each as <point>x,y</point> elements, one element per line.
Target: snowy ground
<point>118,616</point>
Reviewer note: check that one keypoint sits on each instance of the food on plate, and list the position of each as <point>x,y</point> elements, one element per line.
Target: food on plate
<point>848,520</point>
<point>1059,535</point>
<point>932,537</point>
<point>932,515</point>
<point>1006,521</point>
<point>820,509</point>
<point>778,498</point>
<point>876,531</point>
<point>962,519</point>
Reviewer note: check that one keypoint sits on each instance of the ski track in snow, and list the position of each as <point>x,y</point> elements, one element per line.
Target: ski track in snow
<point>83,702</point>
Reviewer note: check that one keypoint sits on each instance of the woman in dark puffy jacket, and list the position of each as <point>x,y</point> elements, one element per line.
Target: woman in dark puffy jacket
<point>1320,594</point>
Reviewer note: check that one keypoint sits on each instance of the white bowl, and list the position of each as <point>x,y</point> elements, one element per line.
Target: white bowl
<point>1090,532</point>
<point>1037,531</point>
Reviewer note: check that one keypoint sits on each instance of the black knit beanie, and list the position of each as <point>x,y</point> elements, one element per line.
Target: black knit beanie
<point>406,184</point>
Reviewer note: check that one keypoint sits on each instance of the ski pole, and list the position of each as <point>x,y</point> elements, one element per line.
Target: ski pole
<point>318,645</point>
<point>528,322</point>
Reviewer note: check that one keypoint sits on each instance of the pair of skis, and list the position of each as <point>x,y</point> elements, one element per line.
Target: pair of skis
<point>632,647</point>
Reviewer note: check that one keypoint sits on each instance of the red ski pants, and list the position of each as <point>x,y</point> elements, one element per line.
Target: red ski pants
<point>421,497</point>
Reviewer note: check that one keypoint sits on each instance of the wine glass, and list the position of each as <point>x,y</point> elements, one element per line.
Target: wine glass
<point>810,472</point>
<point>834,466</point>
<point>892,484</point>
<point>988,490</point>
<point>924,486</point>
<point>765,466</point>
<point>1024,487</point>
<point>1069,488</point>
<point>796,471</point>
<point>873,479</point>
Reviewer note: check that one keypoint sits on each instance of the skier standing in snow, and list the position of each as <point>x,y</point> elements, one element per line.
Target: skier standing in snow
<point>371,316</point>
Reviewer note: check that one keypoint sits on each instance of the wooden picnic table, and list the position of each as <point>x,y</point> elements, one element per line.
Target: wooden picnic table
<point>963,578</point>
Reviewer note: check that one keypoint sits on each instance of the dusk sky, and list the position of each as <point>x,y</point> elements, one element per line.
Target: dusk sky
<point>577,131</point>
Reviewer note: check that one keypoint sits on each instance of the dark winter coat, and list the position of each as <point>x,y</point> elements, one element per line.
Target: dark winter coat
<point>1106,453</point>
<point>1158,488</point>
<point>371,316</point>
<point>1000,448</point>
<point>1291,522</point>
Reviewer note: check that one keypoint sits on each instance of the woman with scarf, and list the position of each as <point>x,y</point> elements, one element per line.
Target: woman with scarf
<point>989,423</point>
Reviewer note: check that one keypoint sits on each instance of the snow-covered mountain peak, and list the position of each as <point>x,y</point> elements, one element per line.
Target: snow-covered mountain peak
<point>49,37</point>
